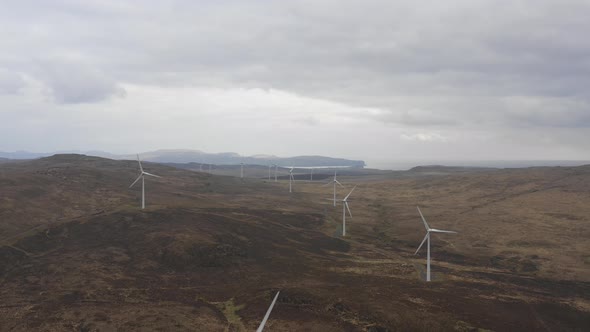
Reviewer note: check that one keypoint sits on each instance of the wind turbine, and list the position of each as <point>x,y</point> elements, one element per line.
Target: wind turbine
<point>427,237</point>
<point>344,208</point>
<point>261,327</point>
<point>335,182</point>
<point>291,178</point>
<point>269,167</point>
<point>142,177</point>
<point>276,169</point>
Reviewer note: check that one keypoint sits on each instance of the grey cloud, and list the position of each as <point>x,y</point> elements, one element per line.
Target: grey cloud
<point>71,83</point>
<point>549,112</point>
<point>308,120</point>
<point>365,49</point>
<point>454,65</point>
<point>10,82</point>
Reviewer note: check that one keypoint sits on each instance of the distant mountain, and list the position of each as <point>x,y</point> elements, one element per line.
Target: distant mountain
<point>36,155</point>
<point>23,155</point>
<point>231,158</point>
<point>448,169</point>
<point>196,156</point>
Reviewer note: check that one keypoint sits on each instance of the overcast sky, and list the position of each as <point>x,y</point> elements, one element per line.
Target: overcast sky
<point>371,80</point>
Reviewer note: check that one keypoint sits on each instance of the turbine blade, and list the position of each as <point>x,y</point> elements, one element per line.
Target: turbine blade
<point>134,182</point>
<point>150,174</point>
<point>340,184</point>
<point>140,168</point>
<point>346,203</point>
<point>326,184</point>
<point>420,246</point>
<point>441,231</point>
<point>424,220</point>
<point>345,198</point>
<point>261,327</point>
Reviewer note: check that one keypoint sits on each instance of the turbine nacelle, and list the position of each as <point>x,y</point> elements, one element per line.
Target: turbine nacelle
<point>345,208</point>
<point>427,239</point>
<point>334,182</point>
<point>141,176</point>
<point>291,179</point>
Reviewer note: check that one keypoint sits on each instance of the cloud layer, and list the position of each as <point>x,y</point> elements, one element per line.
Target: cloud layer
<point>459,79</point>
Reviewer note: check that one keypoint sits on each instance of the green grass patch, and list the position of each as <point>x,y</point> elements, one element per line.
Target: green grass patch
<point>229,310</point>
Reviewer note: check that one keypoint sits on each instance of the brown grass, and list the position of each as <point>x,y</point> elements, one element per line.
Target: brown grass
<point>519,261</point>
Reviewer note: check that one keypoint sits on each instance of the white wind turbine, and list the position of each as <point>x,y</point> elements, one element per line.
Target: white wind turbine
<point>335,182</point>
<point>427,237</point>
<point>269,168</point>
<point>344,208</point>
<point>291,179</point>
<point>276,169</point>
<point>261,327</point>
<point>142,177</point>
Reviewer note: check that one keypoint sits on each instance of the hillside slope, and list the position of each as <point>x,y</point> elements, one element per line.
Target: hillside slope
<point>209,252</point>
<point>62,187</point>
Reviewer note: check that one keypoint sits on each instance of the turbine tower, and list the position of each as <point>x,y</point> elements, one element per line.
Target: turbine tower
<point>427,237</point>
<point>291,179</point>
<point>344,208</point>
<point>142,177</point>
<point>269,167</point>
<point>276,169</point>
<point>335,182</point>
<point>261,327</point>
<point>242,170</point>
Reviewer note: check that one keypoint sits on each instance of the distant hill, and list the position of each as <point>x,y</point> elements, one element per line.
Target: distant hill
<point>196,156</point>
<point>448,169</point>
<point>26,155</point>
<point>64,186</point>
<point>23,155</point>
<point>231,158</point>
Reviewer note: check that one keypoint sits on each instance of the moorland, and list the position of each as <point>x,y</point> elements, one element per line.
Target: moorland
<point>210,250</point>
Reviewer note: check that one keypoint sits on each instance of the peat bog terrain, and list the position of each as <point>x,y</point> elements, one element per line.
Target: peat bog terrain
<point>210,251</point>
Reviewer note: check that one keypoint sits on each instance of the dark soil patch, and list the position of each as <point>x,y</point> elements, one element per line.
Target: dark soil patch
<point>10,258</point>
<point>515,263</point>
